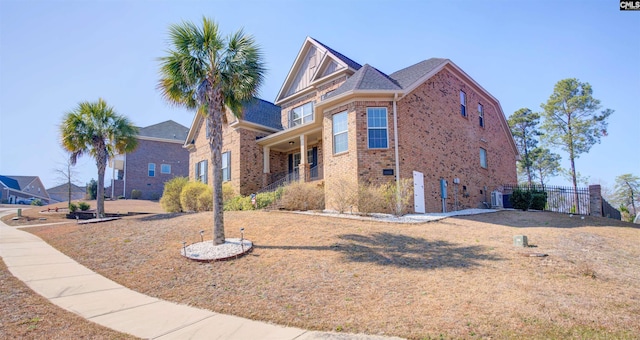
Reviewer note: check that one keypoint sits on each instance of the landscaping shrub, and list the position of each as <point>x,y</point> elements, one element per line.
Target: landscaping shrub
<point>538,200</point>
<point>190,194</point>
<point>265,199</point>
<point>136,194</point>
<point>521,199</point>
<point>37,202</point>
<point>398,203</point>
<point>238,203</point>
<point>170,200</point>
<point>344,194</point>
<point>227,192</point>
<point>84,206</point>
<point>303,196</point>
<point>370,199</point>
<point>205,200</point>
<point>73,207</point>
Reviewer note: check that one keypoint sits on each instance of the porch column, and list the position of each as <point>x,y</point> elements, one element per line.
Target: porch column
<point>266,166</point>
<point>304,164</point>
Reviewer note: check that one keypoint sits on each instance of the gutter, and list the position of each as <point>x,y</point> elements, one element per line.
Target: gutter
<point>395,144</point>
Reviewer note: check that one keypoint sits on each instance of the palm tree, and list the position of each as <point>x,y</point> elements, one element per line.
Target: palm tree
<point>208,72</point>
<point>95,128</point>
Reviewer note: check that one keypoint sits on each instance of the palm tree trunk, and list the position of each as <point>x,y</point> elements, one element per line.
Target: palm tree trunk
<point>101,162</point>
<point>214,122</point>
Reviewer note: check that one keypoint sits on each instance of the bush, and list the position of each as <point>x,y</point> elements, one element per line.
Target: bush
<point>84,206</point>
<point>73,207</point>
<point>136,194</point>
<point>538,200</point>
<point>37,202</point>
<point>227,192</point>
<point>265,199</point>
<point>170,200</point>
<point>370,199</point>
<point>344,194</point>
<point>303,196</point>
<point>190,195</point>
<point>205,200</point>
<point>398,203</point>
<point>238,203</point>
<point>521,199</point>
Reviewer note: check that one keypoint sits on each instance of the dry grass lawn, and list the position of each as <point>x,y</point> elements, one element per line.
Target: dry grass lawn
<point>456,278</point>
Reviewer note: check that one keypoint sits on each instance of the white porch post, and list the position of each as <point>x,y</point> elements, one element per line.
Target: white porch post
<point>303,149</point>
<point>266,166</point>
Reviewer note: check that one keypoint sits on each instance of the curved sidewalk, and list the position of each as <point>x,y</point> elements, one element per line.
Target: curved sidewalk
<point>73,287</point>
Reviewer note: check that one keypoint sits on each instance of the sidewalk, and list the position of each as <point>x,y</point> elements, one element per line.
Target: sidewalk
<point>73,287</point>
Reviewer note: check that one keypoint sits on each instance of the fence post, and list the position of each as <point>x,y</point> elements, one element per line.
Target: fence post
<point>595,200</point>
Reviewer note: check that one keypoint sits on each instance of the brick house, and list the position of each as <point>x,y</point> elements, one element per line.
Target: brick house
<point>16,189</point>
<point>335,120</point>
<point>158,158</point>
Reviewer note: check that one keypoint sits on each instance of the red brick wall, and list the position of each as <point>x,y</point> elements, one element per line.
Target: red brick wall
<point>137,163</point>
<point>436,140</point>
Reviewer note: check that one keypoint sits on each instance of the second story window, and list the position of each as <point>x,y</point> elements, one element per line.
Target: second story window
<point>152,169</point>
<point>301,114</point>
<point>481,114</point>
<point>463,104</point>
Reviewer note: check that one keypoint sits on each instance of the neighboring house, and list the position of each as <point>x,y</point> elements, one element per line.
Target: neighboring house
<point>14,189</point>
<point>158,158</point>
<point>60,193</point>
<point>337,122</point>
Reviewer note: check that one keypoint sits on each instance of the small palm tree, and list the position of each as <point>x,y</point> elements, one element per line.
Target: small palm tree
<point>94,128</point>
<point>208,72</point>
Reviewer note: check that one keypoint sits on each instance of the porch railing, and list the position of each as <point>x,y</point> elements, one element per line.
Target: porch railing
<point>315,173</point>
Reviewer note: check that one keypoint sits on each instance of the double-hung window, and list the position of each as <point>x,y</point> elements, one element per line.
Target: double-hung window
<point>463,104</point>
<point>201,171</point>
<point>377,127</point>
<point>481,114</point>
<point>340,133</point>
<point>152,169</point>
<point>226,169</point>
<point>301,114</point>
<point>483,158</point>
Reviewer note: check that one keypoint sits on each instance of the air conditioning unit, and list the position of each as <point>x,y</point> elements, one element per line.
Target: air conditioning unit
<point>496,199</point>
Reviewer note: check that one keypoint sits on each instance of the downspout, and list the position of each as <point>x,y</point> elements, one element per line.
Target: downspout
<point>124,176</point>
<point>395,144</point>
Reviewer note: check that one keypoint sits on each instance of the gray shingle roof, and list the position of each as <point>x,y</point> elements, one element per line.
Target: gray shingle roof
<point>352,64</point>
<point>262,112</point>
<point>165,130</point>
<point>370,78</point>
<point>411,74</point>
<point>366,78</point>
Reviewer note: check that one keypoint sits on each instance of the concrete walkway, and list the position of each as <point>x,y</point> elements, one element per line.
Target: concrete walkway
<point>73,287</point>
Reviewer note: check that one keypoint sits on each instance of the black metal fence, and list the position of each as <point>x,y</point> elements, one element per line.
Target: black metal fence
<point>559,199</point>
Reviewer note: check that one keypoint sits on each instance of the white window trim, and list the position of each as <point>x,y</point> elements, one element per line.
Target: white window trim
<point>301,120</point>
<point>486,163</point>
<point>201,175</point>
<point>151,167</point>
<point>463,103</point>
<point>162,168</point>
<point>481,115</point>
<point>228,153</point>
<point>386,128</point>
<point>334,134</point>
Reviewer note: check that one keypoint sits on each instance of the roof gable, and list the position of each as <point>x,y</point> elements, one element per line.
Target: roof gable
<point>315,61</point>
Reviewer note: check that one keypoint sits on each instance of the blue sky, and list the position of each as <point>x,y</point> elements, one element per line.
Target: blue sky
<point>55,54</point>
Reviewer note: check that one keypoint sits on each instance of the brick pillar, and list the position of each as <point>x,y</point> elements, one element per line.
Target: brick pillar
<point>305,172</point>
<point>595,200</point>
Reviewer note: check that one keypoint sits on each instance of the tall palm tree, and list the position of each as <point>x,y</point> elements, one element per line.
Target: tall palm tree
<point>94,128</point>
<point>208,72</point>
